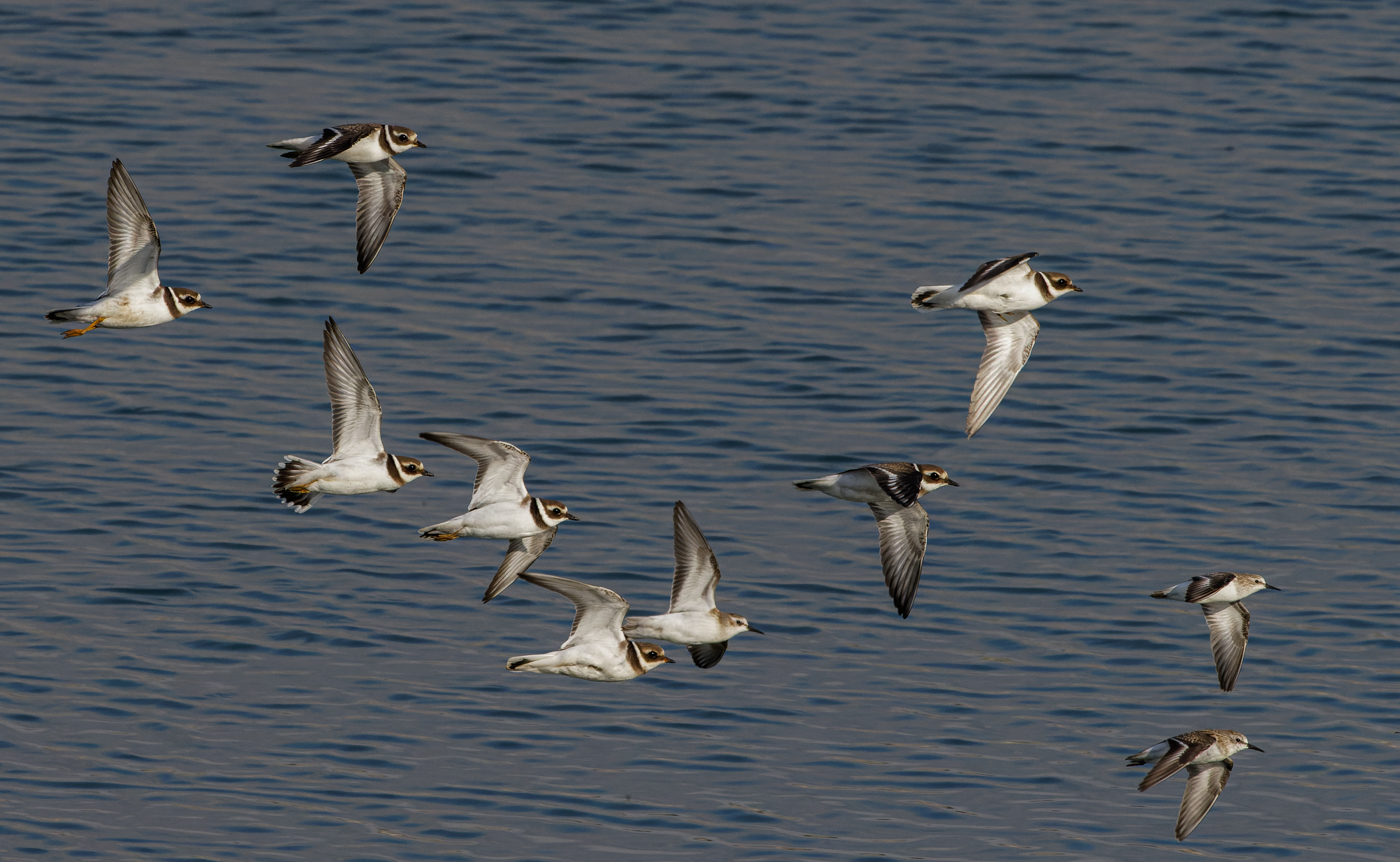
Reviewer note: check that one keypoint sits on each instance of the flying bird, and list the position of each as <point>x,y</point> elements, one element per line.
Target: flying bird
<point>1003,293</point>
<point>369,150</point>
<point>501,508</point>
<point>359,464</point>
<point>692,619</point>
<point>134,297</point>
<point>596,649</point>
<point>1205,754</point>
<point>1219,596</point>
<point>893,491</point>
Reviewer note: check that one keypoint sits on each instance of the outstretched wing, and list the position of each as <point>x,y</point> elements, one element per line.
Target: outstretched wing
<point>133,246</point>
<point>521,554</point>
<point>1010,338</point>
<point>707,655</point>
<point>598,611</point>
<point>381,194</point>
<point>355,409</point>
<point>697,571</point>
<point>500,470</point>
<point>1229,634</point>
<point>1202,789</point>
<point>903,538</point>
<point>992,269</point>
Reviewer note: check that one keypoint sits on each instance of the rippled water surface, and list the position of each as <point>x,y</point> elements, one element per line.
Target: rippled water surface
<point>667,248</point>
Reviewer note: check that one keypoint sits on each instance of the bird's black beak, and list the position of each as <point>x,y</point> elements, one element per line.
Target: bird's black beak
<point>420,144</point>
<point>1255,747</point>
<point>757,631</point>
<point>203,304</point>
<point>1272,587</point>
<point>668,659</point>
<point>426,473</point>
<point>571,516</point>
<point>950,482</point>
<point>1076,289</point>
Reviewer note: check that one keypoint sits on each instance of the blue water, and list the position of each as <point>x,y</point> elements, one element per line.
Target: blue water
<point>667,249</point>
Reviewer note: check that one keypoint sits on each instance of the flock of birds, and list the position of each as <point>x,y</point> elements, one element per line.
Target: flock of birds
<point>605,644</point>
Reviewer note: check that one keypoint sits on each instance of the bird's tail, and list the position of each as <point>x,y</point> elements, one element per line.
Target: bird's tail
<point>523,662</point>
<point>931,297</point>
<point>295,144</point>
<point>286,483</point>
<point>1177,592</point>
<point>60,315</point>
<point>440,532</point>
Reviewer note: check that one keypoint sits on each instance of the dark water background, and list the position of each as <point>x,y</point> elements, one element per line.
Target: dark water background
<point>667,248</point>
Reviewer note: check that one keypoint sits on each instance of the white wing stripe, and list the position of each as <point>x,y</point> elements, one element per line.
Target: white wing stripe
<point>381,187</point>
<point>133,246</point>
<point>355,412</point>
<point>1010,338</point>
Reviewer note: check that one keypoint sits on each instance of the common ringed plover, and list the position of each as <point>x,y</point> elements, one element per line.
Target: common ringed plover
<point>596,648</point>
<point>134,297</point>
<point>501,508</point>
<point>893,491</point>
<point>359,463</point>
<point>1003,293</point>
<point>368,148</point>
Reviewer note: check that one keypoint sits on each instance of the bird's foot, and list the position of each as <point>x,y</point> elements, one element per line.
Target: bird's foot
<point>74,333</point>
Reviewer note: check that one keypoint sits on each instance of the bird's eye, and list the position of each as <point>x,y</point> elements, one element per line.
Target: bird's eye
<point>403,137</point>
<point>557,511</point>
<point>1061,282</point>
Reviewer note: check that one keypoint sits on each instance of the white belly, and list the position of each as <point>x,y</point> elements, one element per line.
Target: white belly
<point>596,662</point>
<point>350,477</point>
<point>367,149</point>
<point>498,521</point>
<point>857,486</point>
<point>130,310</point>
<point>1001,300</point>
<point>1233,592</point>
<point>691,627</point>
